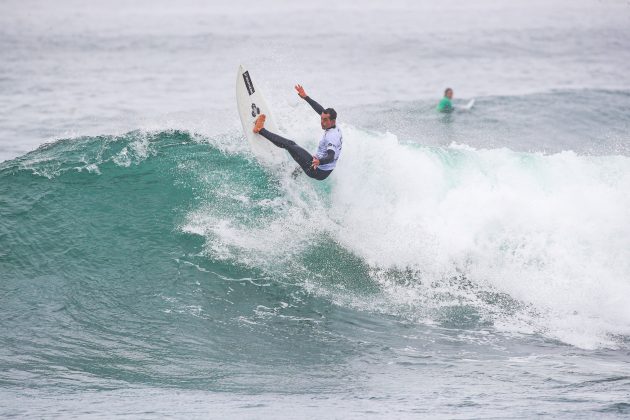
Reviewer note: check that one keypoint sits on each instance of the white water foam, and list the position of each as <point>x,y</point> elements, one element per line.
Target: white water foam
<point>551,231</point>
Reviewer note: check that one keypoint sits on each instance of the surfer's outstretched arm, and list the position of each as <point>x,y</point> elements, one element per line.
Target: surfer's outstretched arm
<point>317,107</point>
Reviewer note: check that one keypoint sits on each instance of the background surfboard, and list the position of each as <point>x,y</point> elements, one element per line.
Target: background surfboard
<point>466,107</point>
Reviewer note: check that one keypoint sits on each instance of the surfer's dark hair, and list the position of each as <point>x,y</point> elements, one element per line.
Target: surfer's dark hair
<point>331,112</point>
<point>446,91</point>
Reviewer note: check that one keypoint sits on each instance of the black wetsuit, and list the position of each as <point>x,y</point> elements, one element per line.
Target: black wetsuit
<point>301,156</point>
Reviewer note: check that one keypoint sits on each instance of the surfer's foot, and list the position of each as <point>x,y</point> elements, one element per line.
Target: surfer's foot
<point>260,123</point>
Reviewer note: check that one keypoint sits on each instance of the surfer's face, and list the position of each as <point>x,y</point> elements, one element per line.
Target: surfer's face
<point>449,94</point>
<point>326,121</point>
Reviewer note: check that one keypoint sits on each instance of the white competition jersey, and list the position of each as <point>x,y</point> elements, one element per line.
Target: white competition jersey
<point>331,140</point>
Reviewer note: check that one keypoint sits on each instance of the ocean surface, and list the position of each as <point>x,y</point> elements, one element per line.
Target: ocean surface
<point>471,265</point>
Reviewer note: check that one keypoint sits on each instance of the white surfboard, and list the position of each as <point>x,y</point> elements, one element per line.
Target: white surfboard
<point>468,106</point>
<point>250,103</point>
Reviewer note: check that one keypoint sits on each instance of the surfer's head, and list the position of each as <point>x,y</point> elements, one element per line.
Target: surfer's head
<point>448,93</point>
<point>329,118</point>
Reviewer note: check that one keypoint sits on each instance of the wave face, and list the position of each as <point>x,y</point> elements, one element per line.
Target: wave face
<point>527,242</point>
<point>171,260</point>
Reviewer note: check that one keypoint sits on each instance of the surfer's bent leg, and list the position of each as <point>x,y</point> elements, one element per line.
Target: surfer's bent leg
<point>301,156</point>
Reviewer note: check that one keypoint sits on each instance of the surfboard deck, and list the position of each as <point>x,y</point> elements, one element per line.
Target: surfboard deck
<point>251,103</point>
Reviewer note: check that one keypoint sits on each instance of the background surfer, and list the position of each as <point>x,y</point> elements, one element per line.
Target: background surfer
<point>317,166</point>
<point>445,104</point>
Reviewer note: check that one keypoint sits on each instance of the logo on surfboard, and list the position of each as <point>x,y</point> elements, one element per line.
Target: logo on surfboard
<point>248,83</point>
<point>255,110</point>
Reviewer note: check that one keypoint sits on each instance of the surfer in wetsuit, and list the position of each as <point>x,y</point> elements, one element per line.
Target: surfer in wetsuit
<point>321,164</point>
<point>445,104</point>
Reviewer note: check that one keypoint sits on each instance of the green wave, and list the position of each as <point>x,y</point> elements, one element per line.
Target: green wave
<point>116,235</point>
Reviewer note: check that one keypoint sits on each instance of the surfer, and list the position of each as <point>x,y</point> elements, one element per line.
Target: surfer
<point>445,104</point>
<point>321,164</point>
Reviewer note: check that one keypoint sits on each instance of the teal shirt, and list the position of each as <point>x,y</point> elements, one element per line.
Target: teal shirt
<point>445,105</point>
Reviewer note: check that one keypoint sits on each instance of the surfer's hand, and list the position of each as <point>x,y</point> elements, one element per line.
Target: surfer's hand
<point>300,91</point>
<point>315,163</point>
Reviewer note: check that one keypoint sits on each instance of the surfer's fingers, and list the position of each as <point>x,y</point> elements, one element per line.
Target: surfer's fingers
<point>300,90</point>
